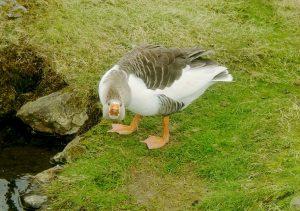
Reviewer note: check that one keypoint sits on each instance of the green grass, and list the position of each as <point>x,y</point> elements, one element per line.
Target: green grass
<point>235,148</point>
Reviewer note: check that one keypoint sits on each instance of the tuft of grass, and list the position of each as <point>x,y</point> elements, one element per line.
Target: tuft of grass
<point>236,148</point>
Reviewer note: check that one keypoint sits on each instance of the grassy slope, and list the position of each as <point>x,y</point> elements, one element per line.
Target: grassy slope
<point>235,148</point>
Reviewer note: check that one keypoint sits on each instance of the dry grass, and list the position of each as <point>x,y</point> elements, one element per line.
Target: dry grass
<point>156,191</point>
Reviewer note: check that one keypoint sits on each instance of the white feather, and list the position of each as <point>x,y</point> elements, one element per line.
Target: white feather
<point>191,85</point>
<point>143,100</point>
<point>102,87</point>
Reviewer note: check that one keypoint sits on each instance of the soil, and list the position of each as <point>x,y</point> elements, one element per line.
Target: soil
<point>25,75</point>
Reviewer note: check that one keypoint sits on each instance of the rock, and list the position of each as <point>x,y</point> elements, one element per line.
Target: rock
<point>16,11</point>
<point>48,175</point>
<point>71,152</point>
<point>61,113</point>
<point>12,8</point>
<point>295,203</point>
<point>34,201</point>
<point>2,3</point>
<point>32,198</point>
<point>6,2</point>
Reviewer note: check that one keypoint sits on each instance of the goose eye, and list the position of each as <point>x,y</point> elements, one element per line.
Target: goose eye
<point>108,103</point>
<point>121,104</point>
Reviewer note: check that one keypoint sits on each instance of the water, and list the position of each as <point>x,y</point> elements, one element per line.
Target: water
<point>16,162</point>
<point>21,155</point>
<point>10,193</point>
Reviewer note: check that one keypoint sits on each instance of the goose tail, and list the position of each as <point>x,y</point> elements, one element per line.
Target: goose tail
<point>223,76</point>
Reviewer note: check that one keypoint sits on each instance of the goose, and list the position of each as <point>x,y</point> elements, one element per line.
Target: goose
<point>156,80</point>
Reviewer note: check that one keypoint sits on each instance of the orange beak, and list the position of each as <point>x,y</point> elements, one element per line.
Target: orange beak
<point>114,110</point>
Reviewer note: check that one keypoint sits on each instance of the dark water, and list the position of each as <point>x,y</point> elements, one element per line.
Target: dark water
<point>21,155</point>
<point>16,163</point>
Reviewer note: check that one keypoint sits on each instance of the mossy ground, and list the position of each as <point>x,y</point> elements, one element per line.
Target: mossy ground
<point>235,148</point>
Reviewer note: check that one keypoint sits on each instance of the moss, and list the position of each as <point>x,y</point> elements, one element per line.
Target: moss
<point>7,99</point>
<point>25,75</point>
<point>23,67</point>
<point>93,111</point>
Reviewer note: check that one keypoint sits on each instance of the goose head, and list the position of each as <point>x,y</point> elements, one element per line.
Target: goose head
<point>114,95</point>
<point>114,109</point>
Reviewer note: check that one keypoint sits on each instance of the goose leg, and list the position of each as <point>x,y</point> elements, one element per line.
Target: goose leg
<point>155,142</point>
<point>127,129</point>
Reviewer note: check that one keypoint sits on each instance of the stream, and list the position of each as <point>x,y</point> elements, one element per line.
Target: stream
<point>21,155</point>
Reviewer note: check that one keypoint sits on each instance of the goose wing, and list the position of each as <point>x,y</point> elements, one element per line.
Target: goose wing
<point>157,66</point>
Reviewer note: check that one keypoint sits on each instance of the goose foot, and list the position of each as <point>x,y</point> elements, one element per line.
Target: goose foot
<point>155,142</point>
<point>126,129</point>
<point>122,129</point>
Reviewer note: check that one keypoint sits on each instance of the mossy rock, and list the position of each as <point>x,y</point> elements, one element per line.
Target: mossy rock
<point>71,152</point>
<point>65,112</point>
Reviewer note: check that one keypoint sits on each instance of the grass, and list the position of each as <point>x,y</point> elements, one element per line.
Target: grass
<point>235,148</point>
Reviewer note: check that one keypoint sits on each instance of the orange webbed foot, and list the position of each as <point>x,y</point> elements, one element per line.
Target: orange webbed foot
<point>127,129</point>
<point>122,129</point>
<point>155,142</point>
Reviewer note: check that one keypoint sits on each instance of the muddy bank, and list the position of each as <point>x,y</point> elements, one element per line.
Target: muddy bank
<point>24,75</point>
<point>49,116</point>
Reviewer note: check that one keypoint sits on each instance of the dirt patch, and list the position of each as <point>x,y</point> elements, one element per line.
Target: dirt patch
<point>155,190</point>
<point>25,75</point>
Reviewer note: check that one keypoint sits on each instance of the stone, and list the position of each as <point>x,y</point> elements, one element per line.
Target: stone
<point>34,201</point>
<point>71,152</point>
<point>295,203</point>
<point>62,113</point>
<point>12,8</point>
<point>48,175</point>
<point>3,3</point>
<point>17,11</point>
